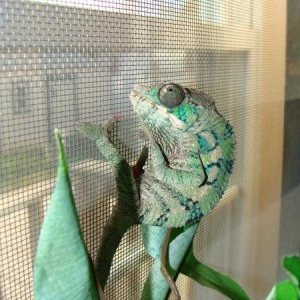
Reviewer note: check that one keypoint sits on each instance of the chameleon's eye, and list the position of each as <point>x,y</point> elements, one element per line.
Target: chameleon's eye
<point>171,95</point>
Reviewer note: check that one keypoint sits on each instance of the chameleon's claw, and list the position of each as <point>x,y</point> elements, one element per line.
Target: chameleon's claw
<point>108,127</point>
<point>96,131</point>
<point>92,131</point>
<point>163,265</point>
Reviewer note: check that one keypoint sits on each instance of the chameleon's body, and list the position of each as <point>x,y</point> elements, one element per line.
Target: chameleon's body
<point>192,154</point>
<point>191,160</point>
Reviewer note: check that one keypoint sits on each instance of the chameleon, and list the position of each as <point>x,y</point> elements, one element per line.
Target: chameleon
<point>193,150</point>
<point>192,156</point>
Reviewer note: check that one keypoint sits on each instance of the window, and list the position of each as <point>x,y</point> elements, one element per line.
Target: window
<point>20,97</point>
<point>66,61</point>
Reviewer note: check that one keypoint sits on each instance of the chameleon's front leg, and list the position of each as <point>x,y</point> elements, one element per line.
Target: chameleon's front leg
<point>124,214</point>
<point>175,177</point>
<point>100,134</point>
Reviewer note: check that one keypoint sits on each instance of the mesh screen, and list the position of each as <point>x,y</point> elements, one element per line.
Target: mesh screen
<point>64,61</point>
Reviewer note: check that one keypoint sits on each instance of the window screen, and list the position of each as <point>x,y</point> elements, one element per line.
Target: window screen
<point>68,61</point>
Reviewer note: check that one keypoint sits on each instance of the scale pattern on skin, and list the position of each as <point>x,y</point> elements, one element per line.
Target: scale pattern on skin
<point>192,150</point>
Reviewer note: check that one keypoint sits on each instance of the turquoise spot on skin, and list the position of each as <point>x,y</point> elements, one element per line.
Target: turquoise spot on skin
<point>174,111</point>
<point>153,95</point>
<point>204,146</point>
<point>182,115</point>
<point>194,110</point>
<point>184,112</point>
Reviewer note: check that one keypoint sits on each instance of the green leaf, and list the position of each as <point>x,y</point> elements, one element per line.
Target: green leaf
<point>292,266</point>
<point>62,268</point>
<point>285,290</point>
<point>208,277</point>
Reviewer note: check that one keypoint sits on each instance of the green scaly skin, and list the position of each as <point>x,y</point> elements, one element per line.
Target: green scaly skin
<point>192,156</point>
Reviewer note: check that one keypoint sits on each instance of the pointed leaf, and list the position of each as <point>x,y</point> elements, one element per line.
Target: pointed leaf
<point>62,266</point>
<point>292,266</point>
<point>285,290</point>
<point>208,277</point>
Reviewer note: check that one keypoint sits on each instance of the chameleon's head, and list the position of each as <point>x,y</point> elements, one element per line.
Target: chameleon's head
<point>169,105</point>
<point>170,111</point>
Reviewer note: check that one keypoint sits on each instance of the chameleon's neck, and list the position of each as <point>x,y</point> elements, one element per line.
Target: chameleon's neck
<point>167,140</point>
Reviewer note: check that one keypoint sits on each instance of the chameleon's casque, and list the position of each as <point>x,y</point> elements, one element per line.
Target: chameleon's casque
<point>192,150</point>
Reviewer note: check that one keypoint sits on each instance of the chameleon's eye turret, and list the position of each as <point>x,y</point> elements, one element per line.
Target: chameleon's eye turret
<point>171,95</point>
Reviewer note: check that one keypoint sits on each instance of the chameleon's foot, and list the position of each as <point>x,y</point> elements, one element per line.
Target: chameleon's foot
<point>163,265</point>
<point>96,131</point>
<point>108,127</point>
